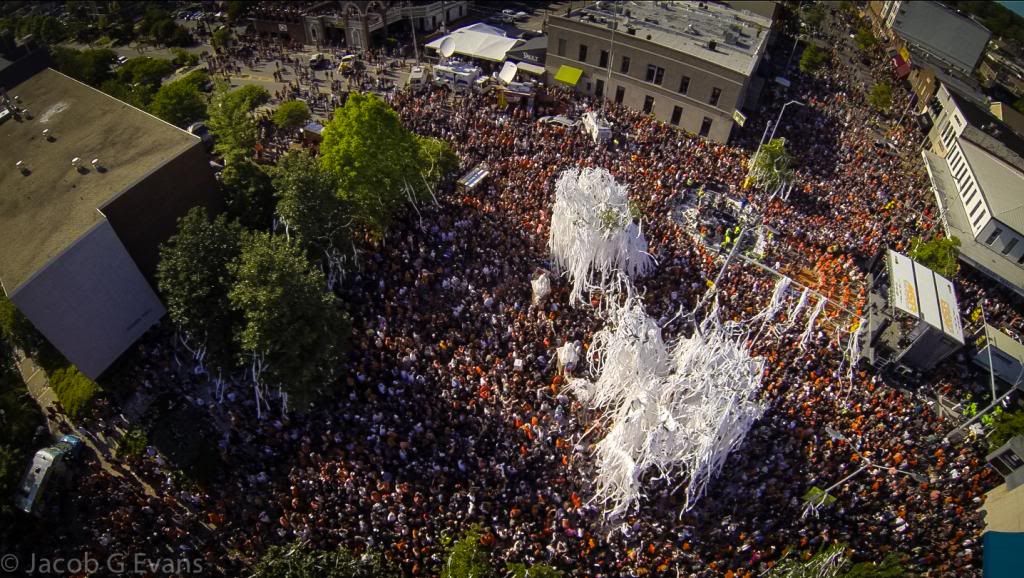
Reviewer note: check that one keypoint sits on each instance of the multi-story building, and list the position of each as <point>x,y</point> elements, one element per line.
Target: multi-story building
<point>357,24</point>
<point>976,165</point>
<point>690,64</point>
<point>90,188</point>
<point>941,45</point>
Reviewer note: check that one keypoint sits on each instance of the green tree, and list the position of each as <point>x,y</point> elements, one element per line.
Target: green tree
<point>941,254</point>
<point>864,39</point>
<point>813,15</point>
<point>232,122</point>
<point>288,320</point>
<point>374,158</point>
<point>291,115</point>
<point>301,561</point>
<point>179,103</point>
<point>880,97</point>
<point>308,203</point>
<point>465,558</point>
<point>250,97</point>
<point>183,57</point>
<point>772,164</point>
<point>248,193</point>
<point>89,66</point>
<point>194,279</point>
<point>221,38</point>
<point>145,70</point>
<point>437,160</point>
<point>1006,425</point>
<point>812,59</point>
<point>139,95</point>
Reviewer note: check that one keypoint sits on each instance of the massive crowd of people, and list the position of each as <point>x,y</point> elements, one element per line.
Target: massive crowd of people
<point>451,412</point>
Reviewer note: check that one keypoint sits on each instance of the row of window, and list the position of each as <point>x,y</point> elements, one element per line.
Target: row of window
<point>967,186</point>
<point>655,74</point>
<point>677,111</point>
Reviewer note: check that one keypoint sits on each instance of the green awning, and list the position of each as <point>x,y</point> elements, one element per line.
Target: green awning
<point>569,75</point>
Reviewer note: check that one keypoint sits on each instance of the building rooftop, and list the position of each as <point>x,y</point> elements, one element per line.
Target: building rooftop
<point>42,213</point>
<point>688,27</point>
<point>953,37</point>
<point>1001,183</point>
<point>956,223</point>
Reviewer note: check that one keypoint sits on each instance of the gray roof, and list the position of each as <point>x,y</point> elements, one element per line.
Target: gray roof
<point>45,212</point>
<point>956,223</point>
<point>953,37</point>
<point>687,27</point>
<point>1001,184</point>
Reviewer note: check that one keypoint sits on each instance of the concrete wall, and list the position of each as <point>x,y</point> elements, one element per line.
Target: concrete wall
<point>147,213</point>
<point>1007,240</point>
<point>91,301</point>
<point>704,76</point>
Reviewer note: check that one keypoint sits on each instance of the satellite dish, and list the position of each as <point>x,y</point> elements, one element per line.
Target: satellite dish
<point>508,72</point>
<point>447,47</point>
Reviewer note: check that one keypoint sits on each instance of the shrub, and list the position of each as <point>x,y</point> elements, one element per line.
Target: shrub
<point>74,390</point>
<point>133,443</point>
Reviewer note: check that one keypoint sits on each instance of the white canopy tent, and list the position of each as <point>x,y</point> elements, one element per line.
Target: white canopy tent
<point>478,41</point>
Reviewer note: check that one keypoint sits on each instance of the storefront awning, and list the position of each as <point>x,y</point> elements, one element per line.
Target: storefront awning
<point>901,66</point>
<point>568,75</point>
<point>530,68</point>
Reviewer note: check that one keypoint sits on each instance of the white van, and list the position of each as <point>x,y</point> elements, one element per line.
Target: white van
<point>458,77</point>
<point>417,79</point>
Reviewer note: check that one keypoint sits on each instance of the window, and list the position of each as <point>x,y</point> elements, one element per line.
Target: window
<point>561,46</point>
<point>705,127</point>
<point>655,74</point>
<point>620,93</point>
<point>981,216</point>
<point>1009,246</point>
<point>599,88</point>
<point>603,59</point>
<point>995,235</point>
<point>684,84</point>
<point>677,114</point>
<point>648,104</point>
<point>976,207</point>
<point>583,53</point>
<point>625,65</point>
<point>960,174</point>
<point>716,93</point>
<point>1020,260</point>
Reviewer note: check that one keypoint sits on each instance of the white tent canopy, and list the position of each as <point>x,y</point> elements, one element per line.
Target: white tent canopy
<point>478,41</point>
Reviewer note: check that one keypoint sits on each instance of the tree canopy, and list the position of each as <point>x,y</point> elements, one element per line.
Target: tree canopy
<point>288,319</point>
<point>1005,425</point>
<point>940,254</point>
<point>880,97</point>
<point>248,193</point>
<point>89,66</point>
<point>864,39</point>
<point>145,70</point>
<point>308,202</point>
<point>179,103</point>
<point>772,164</point>
<point>376,161</point>
<point>812,59</point>
<point>291,115</point>
<point>194,278</point>
<point>231,120</point>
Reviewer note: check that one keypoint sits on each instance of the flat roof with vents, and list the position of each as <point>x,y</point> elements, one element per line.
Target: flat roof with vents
<point>43,213</point>
<point>687,27</point>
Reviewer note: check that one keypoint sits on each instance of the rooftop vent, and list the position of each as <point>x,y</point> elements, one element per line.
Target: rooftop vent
<point>631,30</point>
<point>712,45</point>
<point>21,166</point>
<point>96,165</point>
<point>46,134</point>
